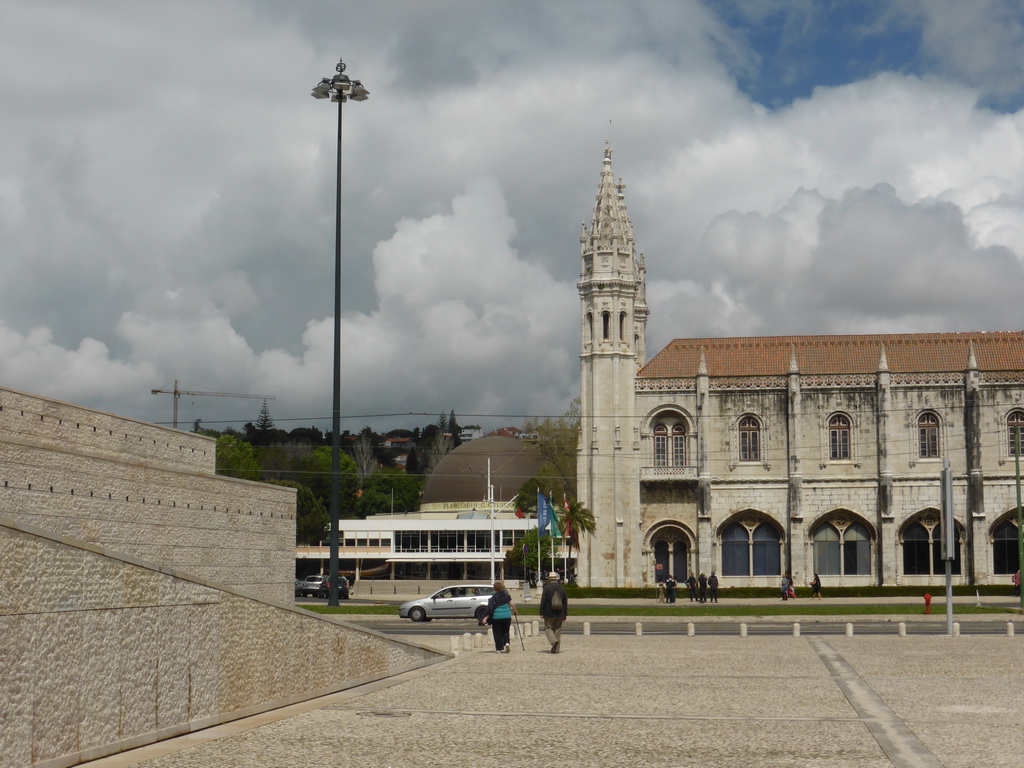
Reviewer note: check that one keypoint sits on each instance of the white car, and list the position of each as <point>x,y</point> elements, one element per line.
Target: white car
<point>460,601</point>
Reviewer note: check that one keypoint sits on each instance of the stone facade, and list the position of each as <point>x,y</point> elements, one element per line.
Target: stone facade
<point>759,456</point>
<point>103,652</point>
<point>145,491</point>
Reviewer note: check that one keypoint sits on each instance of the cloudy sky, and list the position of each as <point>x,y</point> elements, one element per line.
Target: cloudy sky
<point>792,166</point>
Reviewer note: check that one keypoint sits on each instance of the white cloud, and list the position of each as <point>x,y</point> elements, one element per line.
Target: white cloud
<point>168,212</point>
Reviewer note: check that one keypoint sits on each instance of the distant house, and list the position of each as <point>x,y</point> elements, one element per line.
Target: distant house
<point>470,433</point>
<point>514,432</point>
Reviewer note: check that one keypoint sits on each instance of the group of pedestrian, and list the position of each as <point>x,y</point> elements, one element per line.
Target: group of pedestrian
<point>554,607</point>
<point>702,589</point>
<point>787,587</point>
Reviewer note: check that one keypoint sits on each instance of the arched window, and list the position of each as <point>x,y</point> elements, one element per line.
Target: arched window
<point>1014,422</point>
<point>622,326</point>
<point>750,439</point>
<point>735,551</point>
<point>1004,548</point>
<point>856,550</point>
<point>746,553</point>
<point>605,325</point>
<point>916,551</point>
<point>767,553</point>
<point>678,446</point>
<point>928,436</point>
<point>826,550</point>
<point>590,328</point>
<point>661,445</point>
<point>669,444</point>
<point>842,551</point>
<point>839,438</point>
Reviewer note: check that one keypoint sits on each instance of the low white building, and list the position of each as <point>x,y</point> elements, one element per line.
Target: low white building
<point>458,533</point>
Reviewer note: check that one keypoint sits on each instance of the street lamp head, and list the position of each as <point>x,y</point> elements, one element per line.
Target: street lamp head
<point>340,87</point>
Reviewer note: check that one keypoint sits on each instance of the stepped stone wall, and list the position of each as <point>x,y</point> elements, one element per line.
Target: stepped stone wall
<point>145,491</point>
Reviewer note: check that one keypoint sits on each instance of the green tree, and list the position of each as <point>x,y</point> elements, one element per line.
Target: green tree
<point>312,522</point>
<point>236,458</point>
<point>523,553</point>
<point>387,484</point>
<point>557,441</point>
<point>314,470</point>
<point>579,521</point>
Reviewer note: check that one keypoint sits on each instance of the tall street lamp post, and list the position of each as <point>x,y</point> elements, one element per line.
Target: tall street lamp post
<point>340,89</point>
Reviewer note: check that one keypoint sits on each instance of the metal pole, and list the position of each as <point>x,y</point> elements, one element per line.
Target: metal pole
<point>1020,523</point>
<point>490,498</point>
<point>335,505</point>
<point>948,539</point>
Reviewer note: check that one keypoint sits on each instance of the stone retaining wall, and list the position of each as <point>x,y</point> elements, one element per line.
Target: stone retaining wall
<point>103,652</point>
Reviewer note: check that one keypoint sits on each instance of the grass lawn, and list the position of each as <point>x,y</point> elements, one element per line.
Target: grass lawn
<point>805,608</point>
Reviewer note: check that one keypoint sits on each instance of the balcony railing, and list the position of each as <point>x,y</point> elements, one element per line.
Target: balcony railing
<point>665,474</point>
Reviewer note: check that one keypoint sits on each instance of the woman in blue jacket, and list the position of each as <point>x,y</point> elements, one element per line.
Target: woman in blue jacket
<point>499,614</point>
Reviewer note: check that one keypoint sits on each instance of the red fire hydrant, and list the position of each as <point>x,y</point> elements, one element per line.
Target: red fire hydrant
<point>927,603</point>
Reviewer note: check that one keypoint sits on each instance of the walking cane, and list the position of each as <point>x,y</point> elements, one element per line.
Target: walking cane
<point>519,631</point>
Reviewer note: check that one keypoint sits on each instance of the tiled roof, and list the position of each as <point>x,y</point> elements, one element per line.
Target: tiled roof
<point>905,353</point>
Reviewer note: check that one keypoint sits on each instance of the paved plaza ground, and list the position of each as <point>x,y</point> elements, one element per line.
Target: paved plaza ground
<point>652,700</point>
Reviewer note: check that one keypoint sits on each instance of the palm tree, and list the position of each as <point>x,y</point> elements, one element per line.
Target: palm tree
<point>576,521</point>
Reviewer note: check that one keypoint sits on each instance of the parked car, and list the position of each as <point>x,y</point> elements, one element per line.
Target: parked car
<point>325,588</point>
<point>311,585</point>
<point>298,587</point>
<point>460,601</point>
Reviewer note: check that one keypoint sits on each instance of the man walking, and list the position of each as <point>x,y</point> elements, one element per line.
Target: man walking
<point>554,607</point>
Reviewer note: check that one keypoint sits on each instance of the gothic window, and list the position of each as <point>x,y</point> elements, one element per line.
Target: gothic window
<point>678,446</point>
<point>1004,548</point>
<point>928,436</point>
<point>622,326</point>
<point>661,446</point>
<point>590,328</point>
<point>1014,422</point>
<point>839,438</point>
<point>669,445</point>
<point>916,552</point>
<point>605,325</point>
<point>746,552</point>
<point>842,551</point>
<point>735,551</point>
<point>750,439</point>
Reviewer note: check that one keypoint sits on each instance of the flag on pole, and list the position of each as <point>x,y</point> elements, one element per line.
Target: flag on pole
<point>519,513</point>
<point>554,520</point>
<point>566,520</point>
<point>543,515</point>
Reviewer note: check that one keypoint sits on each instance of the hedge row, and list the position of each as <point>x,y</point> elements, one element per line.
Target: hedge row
<point>752,592</point>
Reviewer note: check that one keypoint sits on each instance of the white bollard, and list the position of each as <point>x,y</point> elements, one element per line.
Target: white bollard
<point>849,630</point>
<point>690,630</point>
<point>639,628</point>
<point>956,629</point>
<point>901,629</point>
<point>796,629</point>
<point>586,629</point>
<point>467,642</point>
<point>743,630</point>
<point>1009,629</point>
<point>512,631</point>
<point>455,644</point>
<point>526,629</point>
<point>536,627</point>
<point>478,640</point>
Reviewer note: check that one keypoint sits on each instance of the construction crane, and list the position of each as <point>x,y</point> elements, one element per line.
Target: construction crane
<point>179,392</point>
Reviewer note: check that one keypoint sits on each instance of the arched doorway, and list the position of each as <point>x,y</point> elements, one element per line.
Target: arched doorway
<point>670,546</point>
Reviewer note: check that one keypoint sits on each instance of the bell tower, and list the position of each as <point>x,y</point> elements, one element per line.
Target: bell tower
<point>613,317</point>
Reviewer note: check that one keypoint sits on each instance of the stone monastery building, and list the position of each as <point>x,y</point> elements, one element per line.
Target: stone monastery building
<point>752,457</point>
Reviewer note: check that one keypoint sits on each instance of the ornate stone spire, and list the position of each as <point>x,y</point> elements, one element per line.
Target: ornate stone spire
<point>794,367</point>
<point>972,361</point>
<point>883,361</point>
<point>610,228</point>
<point>702,366</point>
